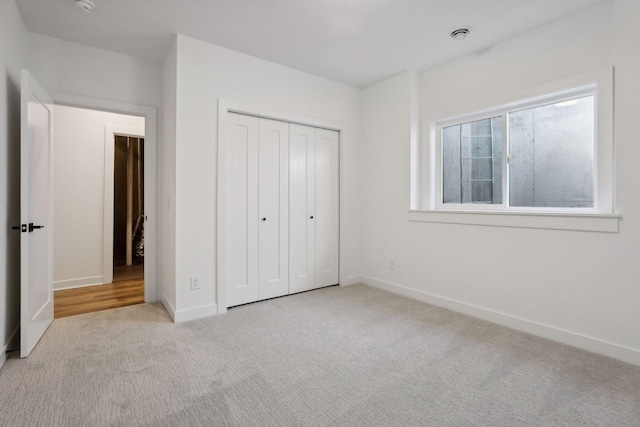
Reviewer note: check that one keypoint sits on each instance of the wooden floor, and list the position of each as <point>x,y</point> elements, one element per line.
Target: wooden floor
<point>124,272</point>
<point>69,302</point>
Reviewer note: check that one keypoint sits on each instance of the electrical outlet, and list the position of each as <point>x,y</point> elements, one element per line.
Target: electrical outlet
<point>392,263</point>
<point>195,283</point>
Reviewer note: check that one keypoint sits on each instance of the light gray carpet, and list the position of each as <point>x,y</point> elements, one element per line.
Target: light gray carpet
<point>353,356</point>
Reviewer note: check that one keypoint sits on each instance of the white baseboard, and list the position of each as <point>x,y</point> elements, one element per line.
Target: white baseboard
<point>11,344</point>
<point>353,280</point>
<point>195,313</point>
<point>595,345</point>
<point>78,283</point>
<point>168,306</point>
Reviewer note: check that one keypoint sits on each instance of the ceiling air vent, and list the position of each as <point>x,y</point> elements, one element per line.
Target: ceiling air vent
<point>86,5</point>
<point>460,33</point>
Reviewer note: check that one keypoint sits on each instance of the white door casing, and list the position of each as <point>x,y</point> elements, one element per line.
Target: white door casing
<point>36,244</point>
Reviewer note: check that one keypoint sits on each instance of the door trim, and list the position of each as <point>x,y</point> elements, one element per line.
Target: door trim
<point>110,133</point>
<point>150,177</point>
<point>225,107</point>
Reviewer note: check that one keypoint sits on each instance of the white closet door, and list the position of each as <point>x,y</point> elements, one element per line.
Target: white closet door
<point>242,273</point>
<point>274,208</point>
<point>327,207</point>
<point>302,229</point>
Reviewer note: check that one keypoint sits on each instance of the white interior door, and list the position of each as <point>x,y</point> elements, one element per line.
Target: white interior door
<point>302,234</point>
<point>327,216</point>
<point>36,248</point>
<point>273,191</point>
<point>241,265</point>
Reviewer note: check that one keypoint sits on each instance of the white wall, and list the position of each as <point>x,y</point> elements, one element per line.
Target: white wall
<point>78,192</point>
<point>71,68</point>
<point>206,73</point>
<point>578,287</point>
<point>386,155</point>
<point>12,35</point>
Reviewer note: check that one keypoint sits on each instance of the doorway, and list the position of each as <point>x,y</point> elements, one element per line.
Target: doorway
<point>128,212</point>
<point>99,198</point>
<point>77,193</point>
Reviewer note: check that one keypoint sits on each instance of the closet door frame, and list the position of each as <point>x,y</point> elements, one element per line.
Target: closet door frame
<point>225,107</point>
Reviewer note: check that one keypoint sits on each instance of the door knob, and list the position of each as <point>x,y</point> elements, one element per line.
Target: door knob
<point>311,217</point>
<point>264,219</point>
<point>34,227</point>
<point>22,228</point>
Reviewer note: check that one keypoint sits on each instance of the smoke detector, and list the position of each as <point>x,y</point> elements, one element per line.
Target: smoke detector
<point>459,34</point>
<point>86,5</point>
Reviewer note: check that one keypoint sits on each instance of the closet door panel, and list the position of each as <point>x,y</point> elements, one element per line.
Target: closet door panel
<point>327,207</point>
<point>302,208</point>
<point>274,208</point>
<point>242,280</point>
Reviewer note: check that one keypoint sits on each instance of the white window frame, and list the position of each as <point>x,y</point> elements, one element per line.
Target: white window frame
<point>601,217</point>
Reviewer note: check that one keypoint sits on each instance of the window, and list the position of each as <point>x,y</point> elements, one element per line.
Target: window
<point>540,158</point>
<point>550,152</point>
<point>472,162</point>
<point>551,155</point>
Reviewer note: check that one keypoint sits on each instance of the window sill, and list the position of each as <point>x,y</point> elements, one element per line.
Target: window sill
<point>603,223</point>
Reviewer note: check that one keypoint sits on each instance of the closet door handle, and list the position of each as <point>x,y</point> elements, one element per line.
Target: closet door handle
<point>264,219</point>
<point>311,217</point>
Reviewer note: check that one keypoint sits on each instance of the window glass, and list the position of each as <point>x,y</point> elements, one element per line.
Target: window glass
<point>551,150</point>
<point>472,162</point>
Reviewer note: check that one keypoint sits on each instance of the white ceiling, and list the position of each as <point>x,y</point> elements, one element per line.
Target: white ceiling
<point>357,42</point>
